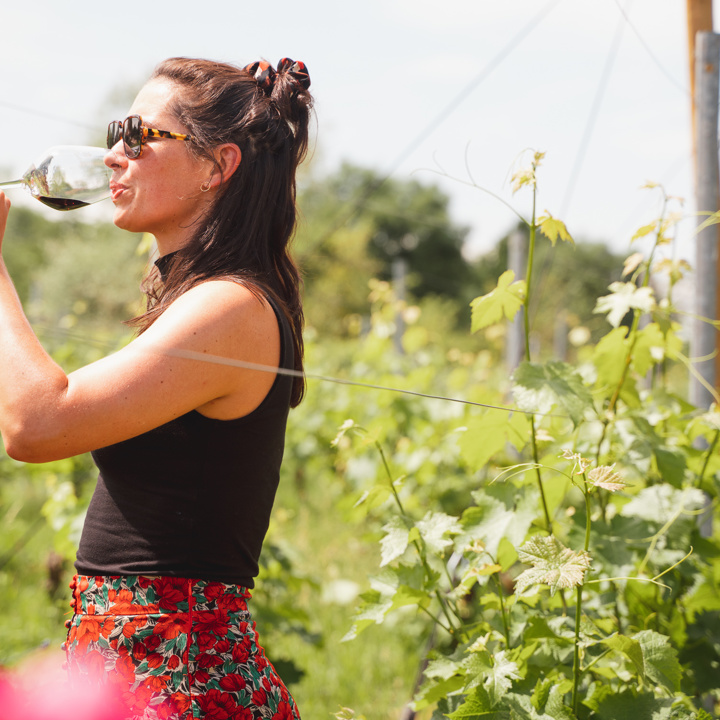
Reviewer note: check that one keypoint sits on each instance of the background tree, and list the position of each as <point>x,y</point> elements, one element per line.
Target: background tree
<point>355,226</point>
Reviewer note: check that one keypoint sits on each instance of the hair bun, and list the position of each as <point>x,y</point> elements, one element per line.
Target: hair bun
<point>264,74</point>
<point>296,69</point>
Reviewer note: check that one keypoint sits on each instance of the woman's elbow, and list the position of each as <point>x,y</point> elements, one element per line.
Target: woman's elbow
<point>28,445</point>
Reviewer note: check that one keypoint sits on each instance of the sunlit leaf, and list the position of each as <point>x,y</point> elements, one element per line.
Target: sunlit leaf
<point>623,298</point>
<point>553,564</point>
<point>434,529</point>
<point>632,262</point>
<point>499,679</point>
<point>675,269</point>
<point>553,229</point>
<point>650,347</point>
<point>660,659</point>
<point>443,668</point>
<point>342,430</point>
<point>490,433</point>
<point>660,503</point>
<point>609,357</point>
<point>606,478</point>
<point>406,595</point>
<point>477,705</point>
<point>630,648</point>
<point>502,302</point>
<point>643,231</point>
<point>539,388</point>
<point>395,541</point>
<point>501,512</point>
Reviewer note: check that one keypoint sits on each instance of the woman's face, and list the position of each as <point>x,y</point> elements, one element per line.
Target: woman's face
<point>159,192</point>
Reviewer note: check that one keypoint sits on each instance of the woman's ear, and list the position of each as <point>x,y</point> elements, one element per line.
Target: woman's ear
<point>227,159</point>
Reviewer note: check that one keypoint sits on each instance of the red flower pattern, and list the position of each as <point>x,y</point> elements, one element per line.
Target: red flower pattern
<point>176,648</point>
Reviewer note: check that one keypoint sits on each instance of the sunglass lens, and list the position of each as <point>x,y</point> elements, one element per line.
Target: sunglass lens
<point>113,134</point>
<point>132,136</point>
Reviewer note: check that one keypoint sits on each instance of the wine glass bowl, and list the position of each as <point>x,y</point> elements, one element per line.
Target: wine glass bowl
<point>67,177</point>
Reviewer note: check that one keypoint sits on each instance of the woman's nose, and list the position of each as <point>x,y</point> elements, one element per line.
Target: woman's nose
<point>115,156</point>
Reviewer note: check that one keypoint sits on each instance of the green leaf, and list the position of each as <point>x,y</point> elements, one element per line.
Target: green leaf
<point>477,706</point>
<point>606,478</point>
<point>500,677</point>
<point>660,503</point>
<point>406,595</point>
<point>705,597</point>
<point>490,433</point>
<point>623,298</point>
<point>541,693</point>
<point>444,668</point>
<point>626,705</point>
<point>434,529</point>
<point>671,464</point>
<point>652,345</point>
<point>395,542</point>
<point>660,658</point>
<point>553,228</point>
<point>630,648</point>
<point>609,357</point>
<point>538,388</point>
<point>502,302</point>
<point>501,512</point>
<point>433,691</point>
<point>553,564</point>
<point>643,231</point>
<point>556,708</point>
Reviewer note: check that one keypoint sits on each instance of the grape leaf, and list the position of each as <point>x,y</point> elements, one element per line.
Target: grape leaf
<point>500,676</point>
<point>537,388</point>
<point>553,564</point>
<point>630,648</point>
<point>477,705</point>
<point>502,302</point>
<point>395,542</point>
<point>490,433</point>
<point>553,228</point>
<point>623,298</point>
<point>606,478</point>
<point>660,658</point>
<point>435,527</point>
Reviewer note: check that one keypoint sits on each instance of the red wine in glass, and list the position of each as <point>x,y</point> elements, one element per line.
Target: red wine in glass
<point>67,177</point>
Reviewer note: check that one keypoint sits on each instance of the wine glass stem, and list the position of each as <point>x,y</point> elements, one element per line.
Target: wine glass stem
<point>11,183</point>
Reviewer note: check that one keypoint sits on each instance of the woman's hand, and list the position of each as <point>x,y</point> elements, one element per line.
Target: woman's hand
<point>4,210</point>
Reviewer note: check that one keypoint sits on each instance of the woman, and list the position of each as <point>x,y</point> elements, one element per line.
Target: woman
<point>188,447</point>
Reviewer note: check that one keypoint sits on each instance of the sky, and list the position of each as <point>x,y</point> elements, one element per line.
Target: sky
<point>459,93</point>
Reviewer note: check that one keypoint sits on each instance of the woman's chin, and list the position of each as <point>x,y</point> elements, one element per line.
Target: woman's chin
<point>124,221</point>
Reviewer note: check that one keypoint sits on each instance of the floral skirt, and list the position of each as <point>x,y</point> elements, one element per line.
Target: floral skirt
<point>173,649</point>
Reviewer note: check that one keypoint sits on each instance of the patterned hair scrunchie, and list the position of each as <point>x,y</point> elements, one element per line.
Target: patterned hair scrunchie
<point>297,69</point>
<point>264,74</point>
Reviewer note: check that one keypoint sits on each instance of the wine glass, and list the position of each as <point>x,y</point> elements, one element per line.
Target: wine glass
<point>67,177</point>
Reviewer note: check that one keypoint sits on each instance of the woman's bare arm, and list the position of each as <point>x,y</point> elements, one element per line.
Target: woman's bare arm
<point>46,414</point>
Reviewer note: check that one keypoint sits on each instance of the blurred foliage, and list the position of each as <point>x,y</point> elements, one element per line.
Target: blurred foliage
<point>356,226</point>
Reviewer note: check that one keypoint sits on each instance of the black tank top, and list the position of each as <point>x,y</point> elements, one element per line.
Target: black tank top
<point>191,498</point>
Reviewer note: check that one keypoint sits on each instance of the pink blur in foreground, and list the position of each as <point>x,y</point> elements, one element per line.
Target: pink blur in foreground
<point>40,691</point>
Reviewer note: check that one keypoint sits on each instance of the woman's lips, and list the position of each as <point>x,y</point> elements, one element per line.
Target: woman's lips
<point>116,190</point>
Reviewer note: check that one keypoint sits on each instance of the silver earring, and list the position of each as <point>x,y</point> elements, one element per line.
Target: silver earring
<point>205,186</point>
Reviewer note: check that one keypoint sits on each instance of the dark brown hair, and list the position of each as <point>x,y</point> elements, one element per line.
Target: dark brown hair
<point>246,234</point>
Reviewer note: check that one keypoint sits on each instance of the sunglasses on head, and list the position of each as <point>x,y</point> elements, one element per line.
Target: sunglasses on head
<point>134,135</point>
